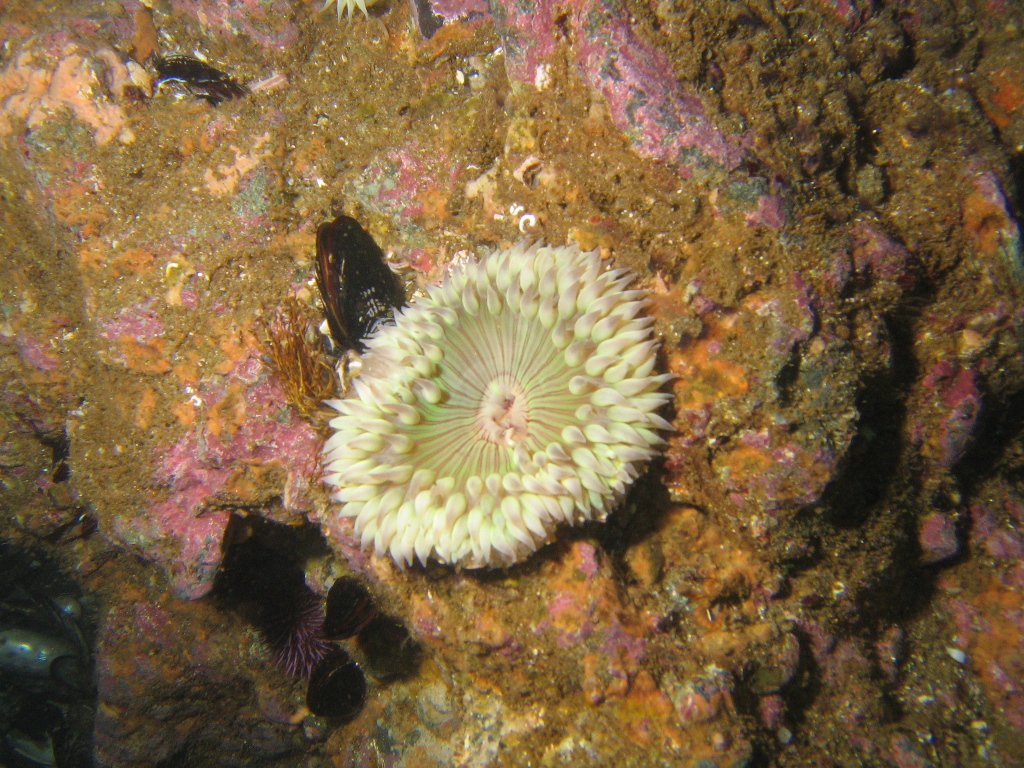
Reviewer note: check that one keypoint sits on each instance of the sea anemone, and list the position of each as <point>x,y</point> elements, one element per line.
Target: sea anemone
<point>516,396</point>
<point>349,6</point>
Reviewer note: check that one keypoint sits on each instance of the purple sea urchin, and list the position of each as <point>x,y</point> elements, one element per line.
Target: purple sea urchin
<point>295,634</point>
<point>517,395</point>
<point>261,576</point>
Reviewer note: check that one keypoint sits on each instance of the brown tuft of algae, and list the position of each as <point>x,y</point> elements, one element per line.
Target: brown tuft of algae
<point>288,339</point>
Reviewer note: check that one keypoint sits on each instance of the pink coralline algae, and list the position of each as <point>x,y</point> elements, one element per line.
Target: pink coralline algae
<point>584,612</point>
<point>770,212</point>
<point>998,541</point>
<point>36,352</point>
<point>958,400</point>
<point>405,181</point>
<point>139,322</point>
<point>268,23</point>
<point>185,529</point>
<point>987,220</point>
<point>772,710</point>
<point>878,256</point>
<point>937,538</point>
<point>663,117</point>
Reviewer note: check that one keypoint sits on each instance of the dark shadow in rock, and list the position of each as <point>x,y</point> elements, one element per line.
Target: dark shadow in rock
<point>262,577</point>
<point>876,454</point>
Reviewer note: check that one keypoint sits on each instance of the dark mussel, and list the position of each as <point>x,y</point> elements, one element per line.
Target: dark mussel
<point>350,607</point>
<point>37,737</point>
<point>358,288</point>
<point>60,448</point>
<point>47,696</point>
<point>199,78</point>
<point>337,687</point>
<point>390,650</point>
<point>44,662</point>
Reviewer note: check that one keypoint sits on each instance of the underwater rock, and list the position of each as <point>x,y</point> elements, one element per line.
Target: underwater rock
<point>239,456</point>
<point>163,664</point>
<point>805,305</point>
<point>663,117</point>
<point>938,539</point>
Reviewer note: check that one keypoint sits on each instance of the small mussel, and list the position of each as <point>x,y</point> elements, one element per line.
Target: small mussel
<point>337,687</point>
<point>358,288</point>
<point>67,605</point>
<point>44,663</point>
<point>47,696</point>
<point>350,607</point>
<point>390,650</point>
<point>29,749</point>
<point>198,78</point>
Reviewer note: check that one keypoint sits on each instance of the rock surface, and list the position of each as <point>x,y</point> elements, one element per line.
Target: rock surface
<point>825,567</point>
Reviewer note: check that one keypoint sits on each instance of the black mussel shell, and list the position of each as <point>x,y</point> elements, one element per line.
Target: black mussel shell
<point>350,607</point>
<point>72,675</point>
<point>201,79</point>
<point>337,687</point>
<point>47,697</point>
<point>390,650</point>
<point>358,288</point>
<point>28,739</point>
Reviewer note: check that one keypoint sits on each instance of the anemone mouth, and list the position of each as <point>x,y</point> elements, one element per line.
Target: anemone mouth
<point>503,415</point>
<point>516,396</point>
